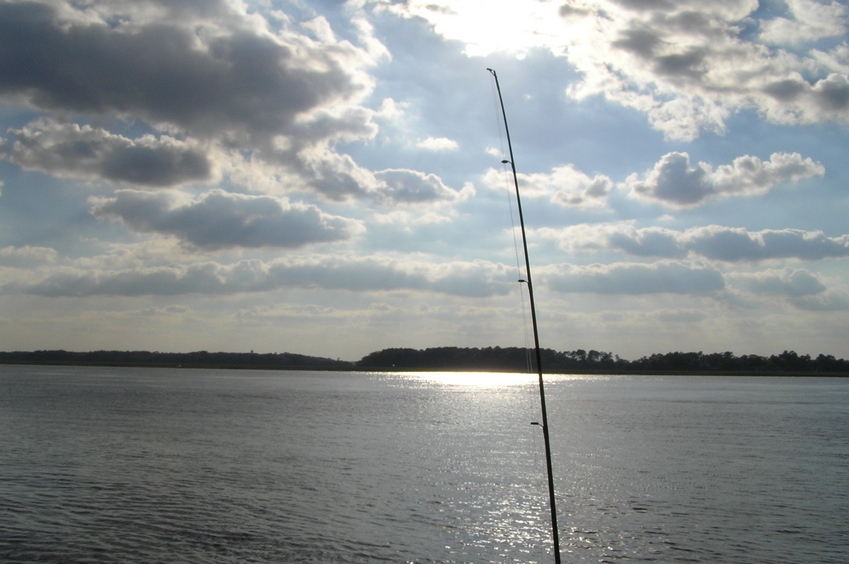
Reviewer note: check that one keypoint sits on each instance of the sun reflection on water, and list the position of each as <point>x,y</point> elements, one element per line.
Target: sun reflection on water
<point>472,379</point>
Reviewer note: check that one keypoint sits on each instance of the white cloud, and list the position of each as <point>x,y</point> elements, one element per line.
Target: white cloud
<point>565,186</point>
<point>686,64</point>
<point>809,20</point>
<point>673,182</point>
<point>406,218</point>
<point>438,144</point>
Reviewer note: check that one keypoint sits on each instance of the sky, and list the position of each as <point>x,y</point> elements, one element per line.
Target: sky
<point>325,177</point>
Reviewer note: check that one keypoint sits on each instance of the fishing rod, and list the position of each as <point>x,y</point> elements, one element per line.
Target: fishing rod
<point>554,532</point>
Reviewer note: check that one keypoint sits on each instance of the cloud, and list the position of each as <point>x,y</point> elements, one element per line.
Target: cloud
<point>737,244</point>
<point>829,301</point>
<point>222,220</point>
<point>438,144</point>
<point>674,183</point>
<point>565,186</point>
<point>802,289</point>
<point>206,77</point>
<point>713,242</point>
<point>70,150</point>
<point>213,69</point>
<point>471,279</point>
<point>809,21</point>
<point>785,282</point>
<point>687,65</point>
<point>634,278</point>
<point>405,219</point>
<point>403,186</point>
<point>27,256</point>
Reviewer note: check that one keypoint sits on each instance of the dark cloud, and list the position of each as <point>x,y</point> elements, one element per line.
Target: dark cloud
<point>832,93</point>
<point>567,10</point>
<point>71,150</point>
<point>269,105</point>
<point>221,220</point>
<point>786,90</point>
<point>641,5</point>
<point>675,182</point>
<point>637,278</point>
<point>691,22</point>
<point>233,80</point>
<point>645,42</point>
<point>478,279</point>
<point>690,63</point>
<point>641,42</point>
<point>735,245</point>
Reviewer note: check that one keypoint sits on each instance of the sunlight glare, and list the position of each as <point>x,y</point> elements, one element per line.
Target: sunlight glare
<point>475,379</point>
<point>487,27</point>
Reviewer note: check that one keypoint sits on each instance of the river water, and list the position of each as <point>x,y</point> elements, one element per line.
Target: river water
<point>210,466</point>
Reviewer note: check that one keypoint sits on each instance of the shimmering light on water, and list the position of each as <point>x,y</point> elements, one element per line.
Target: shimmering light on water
<point>473,379</point>
<point>197,466</point>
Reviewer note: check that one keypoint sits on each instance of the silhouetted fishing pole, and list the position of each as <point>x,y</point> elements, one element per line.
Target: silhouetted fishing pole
<point>554,533</point>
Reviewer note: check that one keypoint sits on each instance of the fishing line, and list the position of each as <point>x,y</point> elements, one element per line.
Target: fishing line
<point>522,301</point>
<point>543,423</point>
<point>536,471</point>
<point>498,125</point>
<point>506,175</point>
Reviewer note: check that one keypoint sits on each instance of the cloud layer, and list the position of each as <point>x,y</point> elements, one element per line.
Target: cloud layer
<point>673,182</point>
<point>218,86</point>
<point>333,164</point>
<point>476,279</point>
<point>220,219</point>
<point>213,69</point>
<point>665,277</point>
<point>713,242</point>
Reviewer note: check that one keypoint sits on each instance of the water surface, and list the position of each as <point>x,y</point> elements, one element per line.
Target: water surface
<point>199,466</point>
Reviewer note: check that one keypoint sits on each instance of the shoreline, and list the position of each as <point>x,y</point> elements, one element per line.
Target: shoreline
<point>313,368</point>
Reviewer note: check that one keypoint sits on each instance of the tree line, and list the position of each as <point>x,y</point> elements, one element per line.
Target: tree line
<point>505,359</point>
<point>518,359</point>
<point>190,359</point>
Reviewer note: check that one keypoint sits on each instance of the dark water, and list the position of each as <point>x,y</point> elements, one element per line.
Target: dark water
<point>196,466</point>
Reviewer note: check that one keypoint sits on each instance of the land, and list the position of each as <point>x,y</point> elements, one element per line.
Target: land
<point>507,359</point>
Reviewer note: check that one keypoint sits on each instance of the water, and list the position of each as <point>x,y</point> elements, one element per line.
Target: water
<point>203,466</point>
